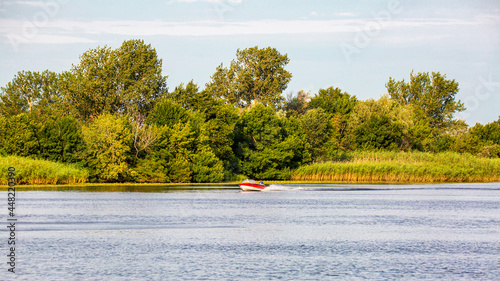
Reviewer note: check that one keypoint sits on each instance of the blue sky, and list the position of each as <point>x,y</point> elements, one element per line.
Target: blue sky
<point>354,45</point>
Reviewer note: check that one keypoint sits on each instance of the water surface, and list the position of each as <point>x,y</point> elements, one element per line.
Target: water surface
<point>289,232</point>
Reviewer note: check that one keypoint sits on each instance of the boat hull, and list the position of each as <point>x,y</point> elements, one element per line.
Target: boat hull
<point>252,187</point>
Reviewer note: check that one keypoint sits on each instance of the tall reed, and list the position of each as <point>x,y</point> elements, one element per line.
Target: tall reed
<point>32,171</point>
<point>404,167</point>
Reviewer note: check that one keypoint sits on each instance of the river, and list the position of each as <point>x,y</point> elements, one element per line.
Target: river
<point>289,232</point>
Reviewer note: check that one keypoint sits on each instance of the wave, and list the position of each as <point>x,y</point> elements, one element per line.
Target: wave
<point>278,187</point>
<point>382,187</point>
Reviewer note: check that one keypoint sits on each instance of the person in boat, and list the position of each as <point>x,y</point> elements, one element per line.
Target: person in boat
<point>261,183</point>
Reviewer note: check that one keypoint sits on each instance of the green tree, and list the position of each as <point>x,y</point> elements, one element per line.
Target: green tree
<point>91,84</point>
<point>186,155</point>
<point>52,138</point>
<point>190,98</point>
<point>483,140</point>
<point>32,92</point>
<point>139,80</point>
<point>334,101</point>
<point>220,132</point>
<point>256,75</point>
<point>489,133</point>
<point>340,105</point>
<point>378,132</point>
<point>171,152</point>
<point>432,95</point>
<point>20,133</point>
<point>181,144</point>
<point>206,166</point>
<point>373,126</point>
<point>269,147</point>
<point>127,80</point>
<point>295,140</point>
<point>415,132</point>
<point>321,133</point>
<point>219,120</point>
<point>168,113</point>
<point>108,139</point>
<point>60,139</point>
<point>183,152</point>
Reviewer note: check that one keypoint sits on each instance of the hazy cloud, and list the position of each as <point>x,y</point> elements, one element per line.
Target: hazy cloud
<point>211,28</point>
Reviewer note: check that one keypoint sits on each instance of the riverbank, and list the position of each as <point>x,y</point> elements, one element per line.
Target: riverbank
<point>358,167</point>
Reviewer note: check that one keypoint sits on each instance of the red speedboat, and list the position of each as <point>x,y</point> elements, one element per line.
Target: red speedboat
<point>251,185</point>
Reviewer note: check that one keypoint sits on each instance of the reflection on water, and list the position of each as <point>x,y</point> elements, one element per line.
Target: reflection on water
<point>291,232</point>
<point>122,188</point>
<point>147,188</point>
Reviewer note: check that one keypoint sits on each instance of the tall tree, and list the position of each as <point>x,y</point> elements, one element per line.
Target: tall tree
<point>339,105</point>
<point>219,118</point>
<point>127,80</point>
<point>20,133</point>
<point>333,101</point>
<point>269,146</point>
<point>483,140</point>
<point>139,79</point>
<point>432,95</point>
<point>108,139</point>
<point>60,139</point>
<point>321,133</point>
<point>256,75</point>
<point>34,92</point>
<point>371,125</point>
<point>183,152</point>
<point>189,97</point>
<point>91,84</point>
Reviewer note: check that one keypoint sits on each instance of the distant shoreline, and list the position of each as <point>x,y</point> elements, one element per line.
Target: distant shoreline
<point>137,187</point>
<point>360,168</point>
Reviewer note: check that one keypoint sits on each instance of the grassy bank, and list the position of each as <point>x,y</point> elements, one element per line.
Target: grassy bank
<point>30,171</point>
<point>403,167</point>
<point>417,167</point>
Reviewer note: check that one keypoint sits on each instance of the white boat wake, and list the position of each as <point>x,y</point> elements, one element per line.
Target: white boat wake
<point>278,187</point>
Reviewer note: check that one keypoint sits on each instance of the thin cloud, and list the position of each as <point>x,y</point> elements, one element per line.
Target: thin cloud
<point>31,3</point>
<point>344,14</point>
<point>207,1</point>
<point>57,39</point>
<point>81,30</point>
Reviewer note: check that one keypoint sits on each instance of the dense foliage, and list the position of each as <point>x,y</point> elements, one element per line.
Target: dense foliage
<point>112,117</point>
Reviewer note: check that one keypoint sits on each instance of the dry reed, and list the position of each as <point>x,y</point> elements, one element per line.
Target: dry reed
<point>404,167</point>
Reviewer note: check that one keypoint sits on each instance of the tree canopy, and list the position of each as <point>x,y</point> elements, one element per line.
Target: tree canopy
<point>30,92</point>
<point>432,95</point>
<point>113,115</point>
<point>255,75</point>
<point>127,80</point>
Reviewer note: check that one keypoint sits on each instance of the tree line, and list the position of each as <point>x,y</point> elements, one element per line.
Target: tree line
<point>113,115</point>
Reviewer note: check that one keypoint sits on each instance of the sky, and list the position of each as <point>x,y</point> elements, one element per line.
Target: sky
<point>354,45</point>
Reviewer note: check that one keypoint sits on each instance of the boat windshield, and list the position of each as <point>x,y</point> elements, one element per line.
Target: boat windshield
<point>249,181</point>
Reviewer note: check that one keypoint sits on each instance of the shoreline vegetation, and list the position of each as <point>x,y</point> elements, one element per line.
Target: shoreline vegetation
<point>111,118</point>
<point>41,172</point>
<point>359,167</point>
<point>404,167</point>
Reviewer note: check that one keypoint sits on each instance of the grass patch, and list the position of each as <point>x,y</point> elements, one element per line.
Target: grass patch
<point>32,171</point>
<point>404,167</point>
